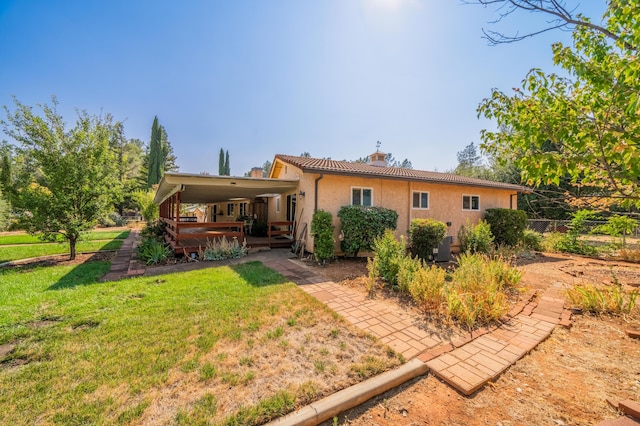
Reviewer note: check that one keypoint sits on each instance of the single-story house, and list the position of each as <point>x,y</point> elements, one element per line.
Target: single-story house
<point>298,186</point>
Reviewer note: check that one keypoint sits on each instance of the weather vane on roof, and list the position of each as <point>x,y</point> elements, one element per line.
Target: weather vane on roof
<point>378,145</point>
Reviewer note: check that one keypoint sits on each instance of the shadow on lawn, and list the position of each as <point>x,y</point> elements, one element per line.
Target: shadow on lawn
<point>258,275</point>
<point>83,274</point>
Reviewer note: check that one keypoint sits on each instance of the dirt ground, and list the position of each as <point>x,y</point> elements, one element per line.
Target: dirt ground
<point>566,380</point>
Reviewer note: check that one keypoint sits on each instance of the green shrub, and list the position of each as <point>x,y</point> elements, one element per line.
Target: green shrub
<point>609,300</point>
<point>477,294</point>
<point>475,238</point>
<point>407,268</point>
<point>571,242</point>
<point>322,232</point>
<point>424,236</point>
<point>389,252</point>
<point>531,240</point>
<point>507,226</point>
<point>144,201</point>
<point>618,226</point>
<point>113,219</point>
<point>152,251</point>
<point>154,230</point>
<point>427,287</point>
<point>361,225</point>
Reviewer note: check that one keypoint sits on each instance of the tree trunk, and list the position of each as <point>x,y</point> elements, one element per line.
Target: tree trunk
<point>72,248</point>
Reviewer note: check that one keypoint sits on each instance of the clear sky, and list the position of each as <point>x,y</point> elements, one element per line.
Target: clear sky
<point>259,78</point>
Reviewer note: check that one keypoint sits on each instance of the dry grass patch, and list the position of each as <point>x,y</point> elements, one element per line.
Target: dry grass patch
<point>227,345</point>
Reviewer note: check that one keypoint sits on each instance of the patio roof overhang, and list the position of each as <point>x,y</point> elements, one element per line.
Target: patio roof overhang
<point>202,189</point>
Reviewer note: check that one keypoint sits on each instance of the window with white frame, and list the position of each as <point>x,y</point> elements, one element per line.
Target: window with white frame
<point>243,209</point>
<point>420,200</point>
<point>278,204</point>
<point>362,197</point>
<point>230,209</point>
<point>470,202</point>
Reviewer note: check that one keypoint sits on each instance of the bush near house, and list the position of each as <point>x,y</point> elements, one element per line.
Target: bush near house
<point>507,226</point>
<point>475,238</point>
<point>424,236</point>
<point>389,253</point>
<point>322,232</point>
<point>475,293</point>
<point>361,225</point>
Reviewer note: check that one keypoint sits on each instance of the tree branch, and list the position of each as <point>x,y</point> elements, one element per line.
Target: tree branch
<point>563,18</point>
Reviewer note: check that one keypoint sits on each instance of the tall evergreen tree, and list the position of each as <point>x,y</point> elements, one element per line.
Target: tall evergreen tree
<point>155,154</point>
<point>221,168</point>
<point>161,157</point>
<point>227,168</point>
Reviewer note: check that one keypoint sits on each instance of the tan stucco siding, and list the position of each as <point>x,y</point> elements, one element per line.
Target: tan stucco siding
<point>287,171</point>
<point>445,201</point>
<point>334,191</point>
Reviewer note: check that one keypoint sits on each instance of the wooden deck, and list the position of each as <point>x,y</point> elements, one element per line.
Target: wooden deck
<point>186,238</point>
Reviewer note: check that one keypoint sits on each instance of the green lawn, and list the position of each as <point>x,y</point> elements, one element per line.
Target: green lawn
<point>184,348</point>
<point>26,251</point>
<point>24,238</point>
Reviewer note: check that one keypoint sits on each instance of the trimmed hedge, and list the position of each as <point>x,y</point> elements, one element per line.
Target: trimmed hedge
<point>361,225</point>
<point>322,231</point>
<point>507,226</point>
<point>424,236</point>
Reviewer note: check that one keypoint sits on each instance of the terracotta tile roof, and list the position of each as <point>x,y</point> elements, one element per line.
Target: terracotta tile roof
<point>319,165</point>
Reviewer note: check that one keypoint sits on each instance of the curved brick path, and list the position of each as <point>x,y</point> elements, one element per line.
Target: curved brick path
<point>466,362</point>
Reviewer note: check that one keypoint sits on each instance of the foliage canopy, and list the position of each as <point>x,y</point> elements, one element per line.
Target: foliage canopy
<point>586,126</point>
<point>73,172</point>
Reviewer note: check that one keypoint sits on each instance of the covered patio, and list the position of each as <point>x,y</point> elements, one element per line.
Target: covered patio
<point>188,234</point>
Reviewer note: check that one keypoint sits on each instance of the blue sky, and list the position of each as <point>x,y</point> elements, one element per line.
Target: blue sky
<point>330,77</point>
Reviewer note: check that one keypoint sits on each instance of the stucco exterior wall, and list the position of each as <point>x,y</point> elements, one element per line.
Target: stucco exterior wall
<point>334,191</point>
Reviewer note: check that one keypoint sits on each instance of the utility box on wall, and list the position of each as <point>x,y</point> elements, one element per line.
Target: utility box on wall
<point>443,252</point>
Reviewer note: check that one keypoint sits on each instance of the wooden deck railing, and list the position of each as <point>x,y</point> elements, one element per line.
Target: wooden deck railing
<point>280,228</point>
<point>177,232</point>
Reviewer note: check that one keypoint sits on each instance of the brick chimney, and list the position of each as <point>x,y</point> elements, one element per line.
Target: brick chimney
<point>256,172</point>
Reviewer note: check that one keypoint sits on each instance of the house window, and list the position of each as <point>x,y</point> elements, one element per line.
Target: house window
<point>362,197</point>
<point>470,202</point>
<point>230,207</point>
<point>278,204</point>
<point>243,209</point>
<point>421,200</point>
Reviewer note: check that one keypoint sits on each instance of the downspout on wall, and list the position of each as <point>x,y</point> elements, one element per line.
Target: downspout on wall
<point>315,193</point>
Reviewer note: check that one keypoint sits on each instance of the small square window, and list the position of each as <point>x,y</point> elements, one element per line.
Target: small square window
<point>420,200</point>
<point>362,197</point>
<point>470,202</point>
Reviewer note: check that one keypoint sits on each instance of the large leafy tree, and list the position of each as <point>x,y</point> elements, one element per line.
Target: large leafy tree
<point>584,127</point>
<point>73,172</point>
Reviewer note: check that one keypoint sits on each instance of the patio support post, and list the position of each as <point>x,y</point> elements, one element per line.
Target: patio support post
<point>178,207</point>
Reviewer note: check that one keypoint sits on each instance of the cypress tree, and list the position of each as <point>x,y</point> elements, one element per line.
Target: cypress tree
<point>227,169</point>
<point>221,168</point>
<point>155,154</point>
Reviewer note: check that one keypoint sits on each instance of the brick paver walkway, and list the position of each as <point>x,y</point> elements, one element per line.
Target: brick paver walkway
<point>465,362</point>
<point>126,263</point>
<point>470,366</point>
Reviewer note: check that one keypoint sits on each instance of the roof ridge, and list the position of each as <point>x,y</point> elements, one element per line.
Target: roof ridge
<point>347,167</point>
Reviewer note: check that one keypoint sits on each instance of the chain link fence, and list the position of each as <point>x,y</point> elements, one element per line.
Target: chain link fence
<point>553,225</point>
